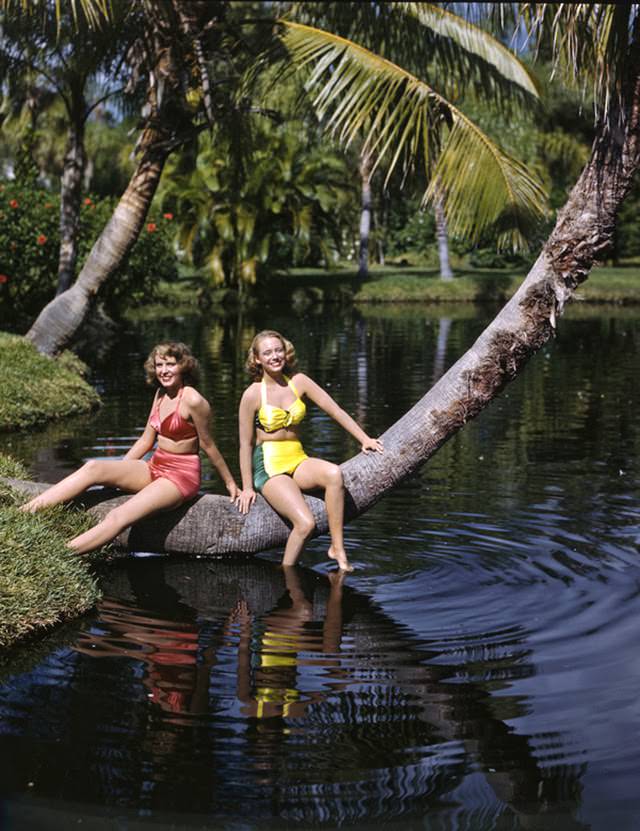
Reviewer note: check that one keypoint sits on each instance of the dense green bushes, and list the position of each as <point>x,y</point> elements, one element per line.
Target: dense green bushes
<point>29,244</point>
<point>37,389</point>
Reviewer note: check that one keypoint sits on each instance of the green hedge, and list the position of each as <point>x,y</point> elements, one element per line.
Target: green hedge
<point>37,389</point>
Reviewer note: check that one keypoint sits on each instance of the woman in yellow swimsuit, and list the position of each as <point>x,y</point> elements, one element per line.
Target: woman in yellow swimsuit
<point>271,410</point>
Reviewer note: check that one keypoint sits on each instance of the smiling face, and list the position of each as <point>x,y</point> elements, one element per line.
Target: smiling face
<point>271,354</point>
<point>168,371</point>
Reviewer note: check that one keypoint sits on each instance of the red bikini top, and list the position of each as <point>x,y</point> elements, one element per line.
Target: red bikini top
<point>174,426</point>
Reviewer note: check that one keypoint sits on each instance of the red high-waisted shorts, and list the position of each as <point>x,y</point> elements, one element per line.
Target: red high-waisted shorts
<point>183,469</point>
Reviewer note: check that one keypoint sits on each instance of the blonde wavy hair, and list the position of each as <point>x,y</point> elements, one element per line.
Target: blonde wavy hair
<point>251,364</point>
<point>189,366</point>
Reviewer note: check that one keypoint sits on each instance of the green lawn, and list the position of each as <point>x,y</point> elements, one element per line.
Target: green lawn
<point>605,285</point>
<point>393,284</point>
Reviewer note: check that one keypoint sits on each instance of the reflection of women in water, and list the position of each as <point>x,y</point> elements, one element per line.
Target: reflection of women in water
<point>179,421</point>
<point>168,648</point>
<point>271,410</point>
<point>268,665</point>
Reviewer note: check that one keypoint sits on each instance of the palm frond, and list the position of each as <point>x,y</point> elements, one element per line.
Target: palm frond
<point>485,188</point>
<point>451,52</point>
<point>591,41</point>
<point>473,40</point>
<point>92,13</point>
<point>404,120</point>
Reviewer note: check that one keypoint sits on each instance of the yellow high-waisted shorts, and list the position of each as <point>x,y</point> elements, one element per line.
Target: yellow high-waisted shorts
<point>271,458</point>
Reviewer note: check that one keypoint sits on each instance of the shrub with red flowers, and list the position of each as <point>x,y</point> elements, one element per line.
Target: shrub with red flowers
<point>29,249</point>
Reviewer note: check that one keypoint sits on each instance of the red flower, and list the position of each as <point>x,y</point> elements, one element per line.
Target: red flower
<point>88,201</point>
<point>4,278</point>
<point>41,239</point>
<point>13,203</point>
<point>168,216</point>
<point>48,205</point>
<point>151,227</point>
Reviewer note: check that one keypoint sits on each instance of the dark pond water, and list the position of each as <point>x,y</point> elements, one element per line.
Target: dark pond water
<point>479,670</point>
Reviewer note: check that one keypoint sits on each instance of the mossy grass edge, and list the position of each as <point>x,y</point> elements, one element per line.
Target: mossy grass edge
<point>41,582</point>
<point>37,389</point>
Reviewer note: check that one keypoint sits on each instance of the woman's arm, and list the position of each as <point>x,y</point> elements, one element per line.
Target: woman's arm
<point>147,440</point>
<point>306,386</point>
<point>200,413</point>
<point>246,414</point>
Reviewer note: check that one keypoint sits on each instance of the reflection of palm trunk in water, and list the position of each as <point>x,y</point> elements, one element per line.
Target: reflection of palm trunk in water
<point>444,327</point>
<point>384,677</point>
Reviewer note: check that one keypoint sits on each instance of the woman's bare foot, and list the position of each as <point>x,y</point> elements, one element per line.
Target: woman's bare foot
<point>341,558</point>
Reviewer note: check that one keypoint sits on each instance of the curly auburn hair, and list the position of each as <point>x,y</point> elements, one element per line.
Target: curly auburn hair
<point>251,364</point>
<point>189,367</point>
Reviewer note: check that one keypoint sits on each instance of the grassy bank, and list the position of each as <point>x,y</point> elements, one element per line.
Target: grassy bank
<point>37,389</point>
<point>393,284</point>
<point>41,583</point>
<point>605,285</point>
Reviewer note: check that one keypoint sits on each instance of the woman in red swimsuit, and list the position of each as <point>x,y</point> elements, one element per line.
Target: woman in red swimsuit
<point>179,422</point>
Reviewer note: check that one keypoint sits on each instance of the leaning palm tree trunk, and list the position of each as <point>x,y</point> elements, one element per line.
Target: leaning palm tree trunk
<point>168,123</point>
<point>59,321</point>
<point>582,235</point>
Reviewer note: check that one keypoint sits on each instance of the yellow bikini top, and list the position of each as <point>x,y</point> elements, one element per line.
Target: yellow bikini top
<point>271,418</point>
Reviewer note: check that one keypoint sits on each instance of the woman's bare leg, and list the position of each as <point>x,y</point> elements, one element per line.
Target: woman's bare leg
<point>127,474</point>
<point>316,473</point>
<point>160,495</point>
<point>283,494</point>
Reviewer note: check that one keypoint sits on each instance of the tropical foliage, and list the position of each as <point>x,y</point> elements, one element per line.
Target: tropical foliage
<point>29,243</point>
<point>280,199</point>
<point>360,87</point>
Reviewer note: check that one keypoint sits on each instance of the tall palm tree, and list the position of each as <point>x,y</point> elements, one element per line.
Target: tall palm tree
<point>167,62</point>
<point>365,168</point>
<point>369,60</point>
